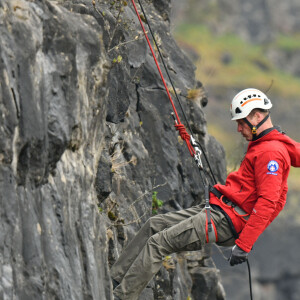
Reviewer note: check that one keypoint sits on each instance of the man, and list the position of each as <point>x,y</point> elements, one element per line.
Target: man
<point>241,209</point>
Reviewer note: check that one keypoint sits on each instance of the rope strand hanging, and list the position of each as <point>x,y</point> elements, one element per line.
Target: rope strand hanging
<point>164,64</point>
<point>184,135</point>
<point>182,131</point>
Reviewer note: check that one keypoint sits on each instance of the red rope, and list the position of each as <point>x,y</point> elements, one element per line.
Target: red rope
<point>185,136</point>
<point>179,126</point>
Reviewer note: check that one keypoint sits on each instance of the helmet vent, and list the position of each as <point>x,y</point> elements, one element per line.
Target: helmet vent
<point>237,110</point>
<point>266,101</point>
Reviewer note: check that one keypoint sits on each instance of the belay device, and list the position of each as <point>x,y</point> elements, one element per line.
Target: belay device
<point>194,147</point>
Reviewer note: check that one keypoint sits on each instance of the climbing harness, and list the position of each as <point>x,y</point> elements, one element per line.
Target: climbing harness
<point>225,201</point>
<point>211,231</point>
<point>194,147</point>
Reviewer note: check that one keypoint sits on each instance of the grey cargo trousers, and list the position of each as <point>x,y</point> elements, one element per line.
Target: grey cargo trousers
<point>160,236</point>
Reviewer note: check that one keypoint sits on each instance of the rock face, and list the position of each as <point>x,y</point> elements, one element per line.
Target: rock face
<point>86,137</point>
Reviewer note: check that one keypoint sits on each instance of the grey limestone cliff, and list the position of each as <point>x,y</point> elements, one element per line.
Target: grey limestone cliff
<point>86,137</point>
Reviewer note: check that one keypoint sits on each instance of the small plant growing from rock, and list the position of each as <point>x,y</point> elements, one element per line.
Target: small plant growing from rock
<point>156,203</point>
<point>118,160</point>
<point>117,42</point>
<point>118,59</point>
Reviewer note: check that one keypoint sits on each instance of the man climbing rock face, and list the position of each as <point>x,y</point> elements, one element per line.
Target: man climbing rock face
<point>240,210</point>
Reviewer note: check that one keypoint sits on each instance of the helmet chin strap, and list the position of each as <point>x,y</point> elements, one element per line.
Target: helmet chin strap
<point>255,127</point>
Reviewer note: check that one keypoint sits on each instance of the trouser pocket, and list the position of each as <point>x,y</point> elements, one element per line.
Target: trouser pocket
<point>182,237</point>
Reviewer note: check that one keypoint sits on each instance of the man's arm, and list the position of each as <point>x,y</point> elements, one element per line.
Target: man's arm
<point>279,205</point>
<point>268,170</point>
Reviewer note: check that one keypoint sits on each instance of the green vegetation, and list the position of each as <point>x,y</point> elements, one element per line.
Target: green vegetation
<point>226,61</point>
<point>111,216</point>
<point>118,59</point>
<point>156,203</point>
<point>288,43</point>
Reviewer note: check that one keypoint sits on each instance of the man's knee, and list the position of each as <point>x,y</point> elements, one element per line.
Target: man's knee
<point>159,246</point>
<point>156,224</point>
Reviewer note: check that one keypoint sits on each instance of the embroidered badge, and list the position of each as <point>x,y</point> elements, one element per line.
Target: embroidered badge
<point>273,167</point>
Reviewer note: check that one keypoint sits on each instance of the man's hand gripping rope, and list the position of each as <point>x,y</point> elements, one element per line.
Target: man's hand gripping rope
<point>237,256</point>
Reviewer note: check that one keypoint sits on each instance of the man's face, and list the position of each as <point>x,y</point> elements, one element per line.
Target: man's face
<point>244,129</point>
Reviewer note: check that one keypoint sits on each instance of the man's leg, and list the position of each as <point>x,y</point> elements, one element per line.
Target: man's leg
<point>153,225</point>
<point>180,237</point>
<point>188,235</point>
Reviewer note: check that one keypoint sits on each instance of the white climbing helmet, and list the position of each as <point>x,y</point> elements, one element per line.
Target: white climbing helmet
<point>247,100</point>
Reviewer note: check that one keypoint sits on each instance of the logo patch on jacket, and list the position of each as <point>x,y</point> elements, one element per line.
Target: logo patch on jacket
<point>273,167</point>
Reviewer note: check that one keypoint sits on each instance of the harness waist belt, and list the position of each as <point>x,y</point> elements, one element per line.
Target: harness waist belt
<point>232,229</point>
<point>227,202</point>
<point>211,234</point>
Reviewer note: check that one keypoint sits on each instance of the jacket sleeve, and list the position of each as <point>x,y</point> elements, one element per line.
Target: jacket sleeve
<point>279,205</point>
<point>268,181</point>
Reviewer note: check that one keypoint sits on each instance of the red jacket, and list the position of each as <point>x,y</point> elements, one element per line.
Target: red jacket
<point>259,187</point>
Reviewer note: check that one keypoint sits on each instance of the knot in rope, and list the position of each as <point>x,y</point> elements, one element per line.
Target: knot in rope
<point>182,131</point>
<point>185,136</point>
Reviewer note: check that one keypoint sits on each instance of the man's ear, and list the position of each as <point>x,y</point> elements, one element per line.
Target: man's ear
<point>257,117</point>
